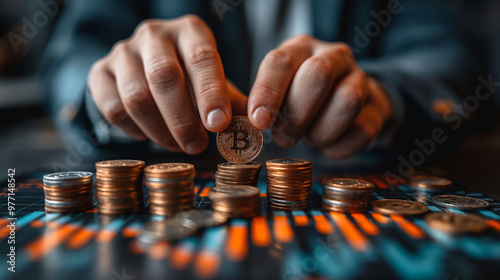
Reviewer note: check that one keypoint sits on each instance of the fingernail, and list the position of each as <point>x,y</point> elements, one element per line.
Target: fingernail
<point>196,147</point>
<point>283,140</point>
<point>216,118</point>
<point>263,116</point>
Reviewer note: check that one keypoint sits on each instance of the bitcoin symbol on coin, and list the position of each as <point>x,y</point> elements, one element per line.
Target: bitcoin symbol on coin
<point>237,139</point>
<point>240,142</point>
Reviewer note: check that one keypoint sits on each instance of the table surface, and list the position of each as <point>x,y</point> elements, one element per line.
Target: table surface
<point>310,244</point>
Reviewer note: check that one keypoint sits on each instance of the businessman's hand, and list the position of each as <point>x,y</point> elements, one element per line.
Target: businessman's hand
<point>166,83</point>
<point>314,90</point>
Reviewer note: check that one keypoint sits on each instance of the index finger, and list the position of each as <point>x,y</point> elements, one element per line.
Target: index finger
<point>203,65</point>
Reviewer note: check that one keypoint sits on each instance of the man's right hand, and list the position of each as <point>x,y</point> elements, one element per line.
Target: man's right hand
<point>166,83</point>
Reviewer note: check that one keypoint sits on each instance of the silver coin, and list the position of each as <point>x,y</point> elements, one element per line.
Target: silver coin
<point>67,178</point>
<point>459,202</point>
<point>201,218</point>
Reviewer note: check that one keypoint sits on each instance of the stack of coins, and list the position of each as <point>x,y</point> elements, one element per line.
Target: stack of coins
<point>432,183</point>
<point>170,187</point>
<point>67,192</point>
<point>235,201</point>
<point>246,174</point>
<point>119,186</point>
<point>346,195</point>
<point>289,183</point>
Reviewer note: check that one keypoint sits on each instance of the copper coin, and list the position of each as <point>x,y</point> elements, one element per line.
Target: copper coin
<point>399,207</point>
<point>240,142</point>
<point>456,223</point>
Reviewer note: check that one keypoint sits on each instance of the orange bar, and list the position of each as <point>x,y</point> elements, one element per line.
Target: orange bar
<point>263,194</point>
<point>105,236</point>
<point>204,191</point>
<point>301,220</point>
<point>261,236</point>
<point>180,257</point>
<point>4,232</point>
<point>494,224</point>
<point>282,230</point>
<point>357,240</point>
<point>381,219</point>
<point>366,225</point>
<point>196,189</point>
<point>237,244</point>
<point>80,239</point>
<point>37,224</point>
<point>46,243</point>
<point>135,248</point>
<point>322,225</point>
<point>130,232</point>
<point>206,264</point>
<point>379,183</point>
<point>158,250</point>
<point>410,228</point>
<point>3,222</point>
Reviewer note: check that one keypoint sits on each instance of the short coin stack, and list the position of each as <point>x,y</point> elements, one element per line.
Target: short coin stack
<point>235,201</point>
<point>67,192</point>
<point>119,186</point>
<point>170,187</point>
<point>289,183</point>
<point>433,183</point>
<point>346,195</point>
<point>237,173</point>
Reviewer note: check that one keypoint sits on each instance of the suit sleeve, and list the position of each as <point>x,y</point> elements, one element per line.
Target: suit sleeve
<point>424,62</point>
<point>85,32</point>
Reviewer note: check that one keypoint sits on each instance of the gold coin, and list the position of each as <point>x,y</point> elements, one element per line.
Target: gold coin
<point>119,163</point>
<point>350,184</point>
<point>399,207</point>
<point>455,223</point>
<point>240,142</point>
<point>430,182</point>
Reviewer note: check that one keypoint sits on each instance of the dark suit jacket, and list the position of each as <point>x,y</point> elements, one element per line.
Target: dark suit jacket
<point>419,53</point>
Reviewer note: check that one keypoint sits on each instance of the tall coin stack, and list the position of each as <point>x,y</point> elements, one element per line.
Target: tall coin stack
<point>235,201</point>
<point>67,192</point>
<point>170,187</point>
<point>246,174</point>
<point>289,183</point>
<point>119,186</point>
<point>346,195</point>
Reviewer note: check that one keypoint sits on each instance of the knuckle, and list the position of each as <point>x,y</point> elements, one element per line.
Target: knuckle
<point>338,154</point>
<point>114,113</point>
<point>203,54</point>
<point>99,66</point>
<point>121,46</point>
<point>280,58</point>
<point>134,96</point>
<point>304,38</point>
<point>352,98</point>
<point>192,20</point>
<point>319,69</point>
<point>162,71</point>
<point>148,26</point>
<point>182,127</point>
<point>268,91</point>
<point>344,49</point>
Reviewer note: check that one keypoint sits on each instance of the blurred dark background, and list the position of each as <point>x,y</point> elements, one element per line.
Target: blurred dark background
<point>30,143</point>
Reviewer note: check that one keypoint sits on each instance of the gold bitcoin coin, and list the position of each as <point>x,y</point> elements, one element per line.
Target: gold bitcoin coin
<point>240,142</point>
